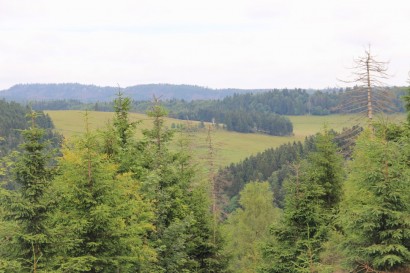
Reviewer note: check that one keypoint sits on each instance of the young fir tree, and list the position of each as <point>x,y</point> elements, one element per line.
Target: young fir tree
<point>375,215</point>
<point>28,208</point>
<point>311,200</point>
<point>248,227</point>
<point>119,137</point>
<point>102,221</point>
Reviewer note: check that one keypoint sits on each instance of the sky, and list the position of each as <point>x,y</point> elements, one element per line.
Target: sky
<point>212,43</point>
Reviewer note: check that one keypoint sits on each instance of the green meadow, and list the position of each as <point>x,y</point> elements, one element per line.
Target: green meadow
<point>229,146</point>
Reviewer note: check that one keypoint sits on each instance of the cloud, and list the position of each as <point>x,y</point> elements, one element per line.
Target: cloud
<point>242,43</point>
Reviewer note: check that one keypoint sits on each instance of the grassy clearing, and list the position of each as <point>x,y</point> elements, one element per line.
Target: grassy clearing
<point>230,146</point>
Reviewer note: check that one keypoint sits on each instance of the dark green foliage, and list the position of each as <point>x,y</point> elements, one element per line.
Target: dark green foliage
<point>281,102</point>
<point>118,138</point>
<point>312,196</point>
<point>270,165</point>
<point>183,236</point>
<point>13,119</point>
<point>376,212</point>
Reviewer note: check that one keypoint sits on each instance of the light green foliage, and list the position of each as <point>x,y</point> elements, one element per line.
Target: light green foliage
<point>102,219</point>
<point>247,227</point>
<point>311,199</point>
<point>376,211</point>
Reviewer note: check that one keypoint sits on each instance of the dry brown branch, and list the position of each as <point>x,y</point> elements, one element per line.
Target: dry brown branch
<point>370,94</point>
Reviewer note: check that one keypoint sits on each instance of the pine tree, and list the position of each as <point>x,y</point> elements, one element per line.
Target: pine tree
<point>376,211</point>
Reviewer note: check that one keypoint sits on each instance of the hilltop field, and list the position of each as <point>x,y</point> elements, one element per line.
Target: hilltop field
<point>230,146</point>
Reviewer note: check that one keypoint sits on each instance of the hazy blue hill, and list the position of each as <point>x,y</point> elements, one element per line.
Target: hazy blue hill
<point>92,93</point>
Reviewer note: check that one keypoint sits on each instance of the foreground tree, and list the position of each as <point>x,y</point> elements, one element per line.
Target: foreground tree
<point>375,215</point>
<point>102,220</point>
<point>28,208</point>
<point>184,234</point>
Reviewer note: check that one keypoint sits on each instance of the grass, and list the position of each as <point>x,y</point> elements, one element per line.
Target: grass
<point>230,146</point>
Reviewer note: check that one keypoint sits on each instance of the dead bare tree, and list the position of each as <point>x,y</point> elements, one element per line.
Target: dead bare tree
<point>370,94</point>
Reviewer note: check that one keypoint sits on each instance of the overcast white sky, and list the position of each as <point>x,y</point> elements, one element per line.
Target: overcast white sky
<point>214,43</point>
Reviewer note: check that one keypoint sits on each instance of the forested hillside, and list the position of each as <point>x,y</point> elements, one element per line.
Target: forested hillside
<point>249,112</point>
<point>13,119</point>
<point>93,93</point>
<point>274,165</point>
<point>109,202</point>
<point>278,101</point>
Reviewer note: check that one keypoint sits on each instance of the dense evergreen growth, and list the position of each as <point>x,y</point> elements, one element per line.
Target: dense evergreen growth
<point>312,197</point>
<point>376,210</point>
<point>102,219</point>
<point>270,165</point>
<point>29,207</point>
<point>116,204</point>
<point>277,101</point>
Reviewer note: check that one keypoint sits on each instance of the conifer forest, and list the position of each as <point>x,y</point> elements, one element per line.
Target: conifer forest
<point>108,201</point>
<point>250,136</point>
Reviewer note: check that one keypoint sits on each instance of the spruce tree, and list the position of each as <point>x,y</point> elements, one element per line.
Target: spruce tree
<point>311,201</point>
<point>102,220</point>
<point>119,136</point>
<point>183,236</point>
<point>375,215</point>
<point>28,208</point>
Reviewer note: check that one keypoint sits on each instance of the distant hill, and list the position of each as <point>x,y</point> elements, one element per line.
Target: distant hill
<point>93,93</point>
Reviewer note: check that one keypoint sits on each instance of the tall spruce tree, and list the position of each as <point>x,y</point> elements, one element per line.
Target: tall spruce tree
<point>375,214</point>
<point>119,137</point>
<point>183,236</point>
<point>311,200</point>
<point>28,208</point>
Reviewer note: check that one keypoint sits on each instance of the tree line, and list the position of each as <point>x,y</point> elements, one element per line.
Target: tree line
<point>248,113</point>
